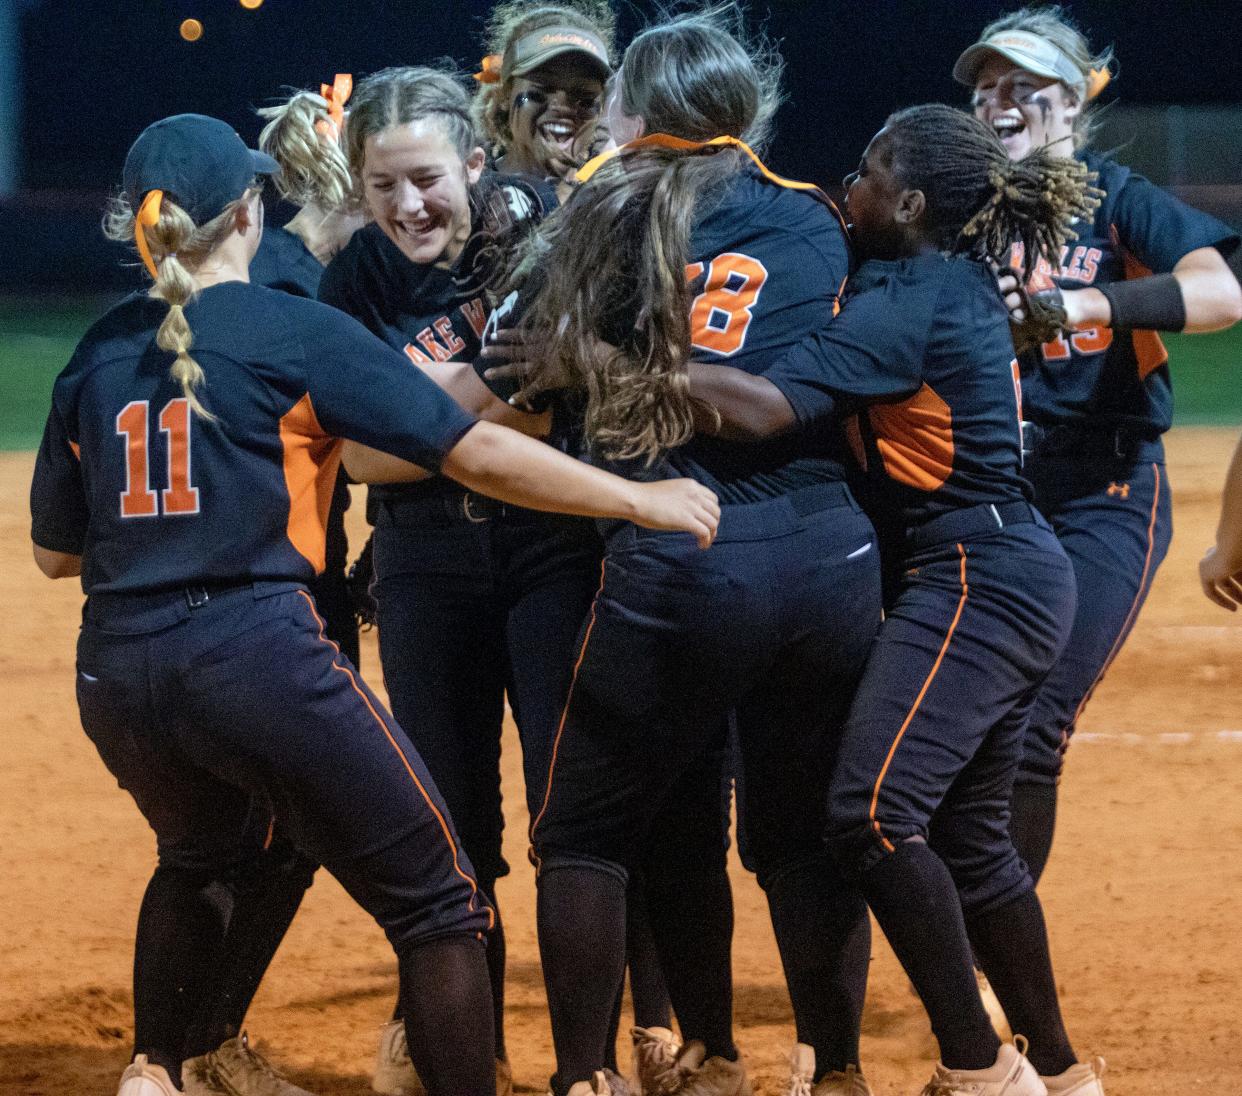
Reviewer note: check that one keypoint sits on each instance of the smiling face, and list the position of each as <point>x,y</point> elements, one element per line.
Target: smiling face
<point>552,115</point>
<point>417,187</point>
<point>1027,111</point>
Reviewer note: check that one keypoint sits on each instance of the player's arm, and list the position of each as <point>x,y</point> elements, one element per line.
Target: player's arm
<point>748,406</point>
<point>1220,570</point>
<point>463,383</point>
<point>1200,294</point>
<point>56,564</point>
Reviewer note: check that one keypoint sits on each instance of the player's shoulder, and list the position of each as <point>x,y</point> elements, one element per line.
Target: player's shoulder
<point>124,330</point>
<point>283,262</point>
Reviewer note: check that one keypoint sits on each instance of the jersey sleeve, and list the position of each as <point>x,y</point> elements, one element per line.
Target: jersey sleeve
<point>362,389</point>
<point>873,350</point>
<point>1159,230</point>
<point>58,509</point>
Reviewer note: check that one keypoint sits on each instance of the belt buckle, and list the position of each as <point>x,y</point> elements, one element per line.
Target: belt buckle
<point>468,511</point>
<point>196,597</point>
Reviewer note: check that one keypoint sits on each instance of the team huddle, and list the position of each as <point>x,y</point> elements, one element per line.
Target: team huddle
<point>719,492</point>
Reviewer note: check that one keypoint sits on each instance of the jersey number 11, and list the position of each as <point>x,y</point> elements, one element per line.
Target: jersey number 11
<point>133,424</point>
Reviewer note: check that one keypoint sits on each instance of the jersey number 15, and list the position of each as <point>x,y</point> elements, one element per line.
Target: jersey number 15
<point>179,497</point>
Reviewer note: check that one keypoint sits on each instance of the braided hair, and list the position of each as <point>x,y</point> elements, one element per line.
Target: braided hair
<point>979,202</point>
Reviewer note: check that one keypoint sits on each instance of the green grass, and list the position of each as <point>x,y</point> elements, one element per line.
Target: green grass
<point>37,337</point>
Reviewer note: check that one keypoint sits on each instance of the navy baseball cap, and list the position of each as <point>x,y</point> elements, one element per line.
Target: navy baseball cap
<point>199,162</point>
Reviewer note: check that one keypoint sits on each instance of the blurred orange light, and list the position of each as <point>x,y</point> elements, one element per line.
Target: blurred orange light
<point>250,5</point>
<point>191,30</point>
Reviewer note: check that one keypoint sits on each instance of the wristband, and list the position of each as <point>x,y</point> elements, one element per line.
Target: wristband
<point>1148,304</point>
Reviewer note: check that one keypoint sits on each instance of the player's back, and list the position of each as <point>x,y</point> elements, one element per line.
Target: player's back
<point>767,265</point>
<point>167,497</point>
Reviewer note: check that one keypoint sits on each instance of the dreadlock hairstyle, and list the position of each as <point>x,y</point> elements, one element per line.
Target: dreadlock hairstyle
<point>979,202</point>
<point>301,135</point>
<point>613,261</point>
<point>511,20</point>
<point>1054,24</point>
<point>177,246</point>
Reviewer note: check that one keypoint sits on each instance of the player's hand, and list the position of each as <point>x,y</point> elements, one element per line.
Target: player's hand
<point>679,506</point>
<point>1221,578</point>
<point>1009,285</point>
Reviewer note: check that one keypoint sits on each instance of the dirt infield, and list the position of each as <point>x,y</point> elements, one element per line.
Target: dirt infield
<point>1142,892</point>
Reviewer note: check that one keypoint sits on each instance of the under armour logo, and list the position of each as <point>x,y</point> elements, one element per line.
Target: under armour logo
<point>1119,490</point>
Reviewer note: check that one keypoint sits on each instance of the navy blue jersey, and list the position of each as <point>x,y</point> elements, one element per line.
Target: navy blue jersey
<point>1116,378</point>
<point>157,498</point>
<point>924,343</point>
<point>283,262</point>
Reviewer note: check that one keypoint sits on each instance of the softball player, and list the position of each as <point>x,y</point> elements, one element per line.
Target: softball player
<point>475,598</point>
<point>687,244</point>
<point>1098,398</point>
<point>185,473</point>
<point>1220,570</point>
<point>539,103</point>
<point>918,804</point>
<point>302,135</point>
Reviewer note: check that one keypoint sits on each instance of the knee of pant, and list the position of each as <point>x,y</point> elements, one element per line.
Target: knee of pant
<point>859,847</point>
<point>557,861</point>
<point>771,873</point>
<point>1041,762</point>
<point>985,881</point>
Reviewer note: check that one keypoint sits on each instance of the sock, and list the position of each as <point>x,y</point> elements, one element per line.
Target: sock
<point>648,992</point>
<point>496,968</point>
<point>1032,821</point>
<point>824,936</point>
<point>913,898</point>
<point>1012,945</point>
<point>181,928</point>
<point>581,920</point>
<point>263,908</point>
<point>447,1002</point>
<point>690,906</point>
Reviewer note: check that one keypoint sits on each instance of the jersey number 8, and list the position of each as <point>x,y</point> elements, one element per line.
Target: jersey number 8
<point>138,500</point>
<point>721,314</point>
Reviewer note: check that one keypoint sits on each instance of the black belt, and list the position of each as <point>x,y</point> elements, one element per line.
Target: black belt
<point>987,517</point>
<point>447,509</point>
<point>1121,442</point>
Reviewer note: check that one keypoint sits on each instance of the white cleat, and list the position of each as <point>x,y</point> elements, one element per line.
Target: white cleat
<point>654,1061</point>
<point>703,1076</point>
<point>1011,1075</point>
<point>235,1068</point>
<point>1083,1079</point>
<point>836,1083</point>
<point>395,1074</point>
<point>141,1078</point>
<point>604,1083</point>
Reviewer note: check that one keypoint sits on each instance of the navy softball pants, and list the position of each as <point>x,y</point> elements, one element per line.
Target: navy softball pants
<point>934,737</point>
<point>775,620</point>
<point>1113,514</point>
<point>470,610</point>
<point>219,709</point>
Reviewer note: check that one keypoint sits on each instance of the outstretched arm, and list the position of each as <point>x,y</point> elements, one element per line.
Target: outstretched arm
<point>1220,570</point>
<point>505,465</point>
<point>750,407</point>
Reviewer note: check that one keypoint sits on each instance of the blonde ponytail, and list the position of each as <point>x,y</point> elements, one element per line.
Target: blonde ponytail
<point>175,246</point>
<point>303,137</point>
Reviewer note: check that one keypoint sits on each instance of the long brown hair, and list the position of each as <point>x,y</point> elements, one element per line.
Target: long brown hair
<point>614,260</point>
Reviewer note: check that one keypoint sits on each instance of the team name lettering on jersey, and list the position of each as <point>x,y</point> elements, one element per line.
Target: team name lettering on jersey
<point>449,344</point>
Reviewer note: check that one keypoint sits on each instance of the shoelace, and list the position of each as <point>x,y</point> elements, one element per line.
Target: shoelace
<point>799,1086</point>
<point>256,1060</point>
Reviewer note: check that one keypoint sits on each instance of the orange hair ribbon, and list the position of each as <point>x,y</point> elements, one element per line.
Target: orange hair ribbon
<point>148,217</point>
<point>490,72</point>
<point>337,95</point>
<point>1097,81</point>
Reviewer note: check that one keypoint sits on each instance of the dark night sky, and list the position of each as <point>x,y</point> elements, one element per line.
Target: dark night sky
<point>95,72</point>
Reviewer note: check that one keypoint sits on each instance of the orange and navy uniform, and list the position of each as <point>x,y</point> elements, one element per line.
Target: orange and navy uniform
<point>921,365</point>
<point>1097,402</point>
<point>475,599</point>
<point>204,676</point>
<point>922,353</point>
